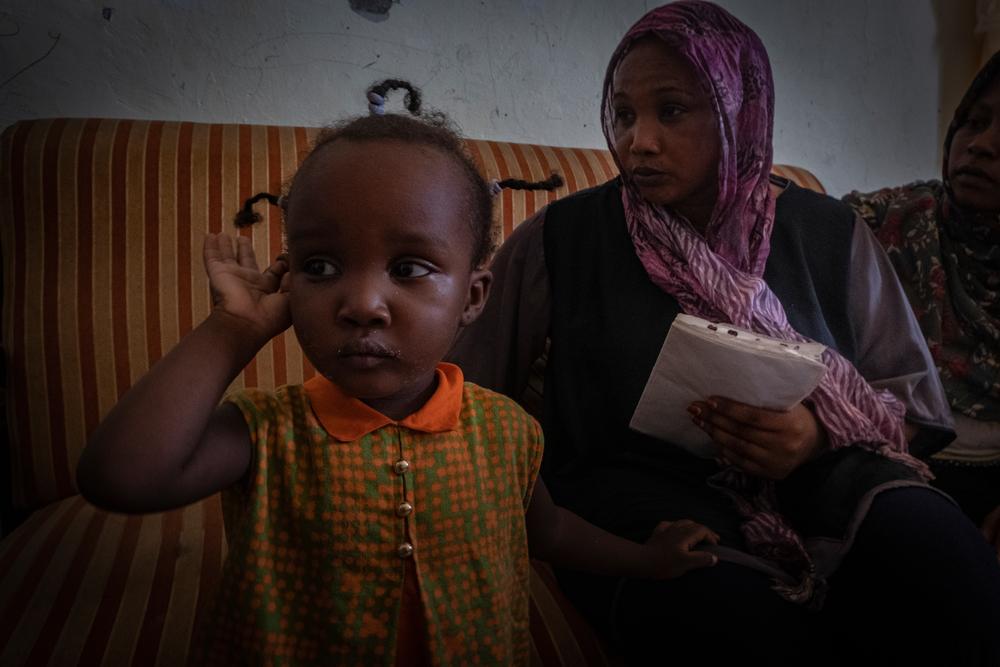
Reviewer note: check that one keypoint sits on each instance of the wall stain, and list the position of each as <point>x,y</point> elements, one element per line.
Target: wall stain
<point>55,37</point>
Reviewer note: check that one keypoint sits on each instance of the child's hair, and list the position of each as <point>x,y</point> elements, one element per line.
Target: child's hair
<point>431,129</point>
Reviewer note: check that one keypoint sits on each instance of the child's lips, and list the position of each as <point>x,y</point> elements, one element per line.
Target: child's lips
<point>366,353</point>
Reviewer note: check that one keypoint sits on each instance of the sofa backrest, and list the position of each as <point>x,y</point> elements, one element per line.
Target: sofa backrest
<point>101,226</point>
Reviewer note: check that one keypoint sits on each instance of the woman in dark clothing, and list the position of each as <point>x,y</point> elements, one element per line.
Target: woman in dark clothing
<point>943,239</point>
<point>820,508</point>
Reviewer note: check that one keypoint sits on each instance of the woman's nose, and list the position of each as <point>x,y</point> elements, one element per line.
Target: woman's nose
<point>987,142</point>
<point>363,303</point>
<point>645,139</point>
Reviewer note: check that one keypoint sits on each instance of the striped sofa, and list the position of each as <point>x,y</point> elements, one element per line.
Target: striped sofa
<point>101,224</point>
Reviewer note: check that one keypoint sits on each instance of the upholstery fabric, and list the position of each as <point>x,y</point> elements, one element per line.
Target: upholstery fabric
<point>101,226</point>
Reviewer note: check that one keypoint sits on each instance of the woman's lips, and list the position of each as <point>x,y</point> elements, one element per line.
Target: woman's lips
<point>973,176</point>
<point>646,177</point>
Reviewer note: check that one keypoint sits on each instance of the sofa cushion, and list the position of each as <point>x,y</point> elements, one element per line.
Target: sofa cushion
<point>101,226</point>
<point>83,586</point>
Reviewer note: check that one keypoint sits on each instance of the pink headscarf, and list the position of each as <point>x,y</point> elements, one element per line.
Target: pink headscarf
<point>718,276</point>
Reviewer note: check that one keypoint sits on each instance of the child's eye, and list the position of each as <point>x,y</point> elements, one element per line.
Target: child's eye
<point>319,267</point>
<point>409,270</point>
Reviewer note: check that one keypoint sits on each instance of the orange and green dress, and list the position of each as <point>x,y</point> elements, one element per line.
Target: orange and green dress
<point>359,540</point>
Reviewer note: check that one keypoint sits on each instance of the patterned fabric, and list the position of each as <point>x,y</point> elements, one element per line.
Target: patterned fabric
<point>948,260</point>
<point>319,519</point>
<point>719,275</point>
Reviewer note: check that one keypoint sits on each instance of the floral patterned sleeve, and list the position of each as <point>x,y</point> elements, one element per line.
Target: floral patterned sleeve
<point>891,351</point>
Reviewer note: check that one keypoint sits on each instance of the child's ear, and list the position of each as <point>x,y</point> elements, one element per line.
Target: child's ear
<point>479,292</point>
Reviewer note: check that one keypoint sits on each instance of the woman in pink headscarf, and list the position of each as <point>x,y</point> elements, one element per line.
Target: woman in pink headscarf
<point>828,528</point>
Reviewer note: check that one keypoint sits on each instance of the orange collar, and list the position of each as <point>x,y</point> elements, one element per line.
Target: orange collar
<point>346,418</point>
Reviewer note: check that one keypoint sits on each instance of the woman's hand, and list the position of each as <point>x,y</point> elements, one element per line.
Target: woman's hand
<point>241,290</point>
<point>766,443</point>
<point>672,548</point>
<point>991,529</point>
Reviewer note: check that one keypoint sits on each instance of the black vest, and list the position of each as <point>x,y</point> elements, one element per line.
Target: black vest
<point>608,322</point>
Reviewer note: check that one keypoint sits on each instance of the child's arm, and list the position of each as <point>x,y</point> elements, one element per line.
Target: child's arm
<point>564,539</point>
<point>166,443</point>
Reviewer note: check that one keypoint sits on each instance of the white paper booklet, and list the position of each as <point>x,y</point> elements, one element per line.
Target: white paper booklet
<point>701,359</point>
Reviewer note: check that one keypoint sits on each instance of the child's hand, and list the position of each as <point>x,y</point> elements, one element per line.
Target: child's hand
<point>672,548</point>
<point>241,290</point>
<point>761,442</point>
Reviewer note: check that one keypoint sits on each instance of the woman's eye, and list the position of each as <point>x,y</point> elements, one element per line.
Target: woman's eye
<point>410,270</point>
<point>671,111</point>
<point>623,116</point>
<point>319,267</point>
<point>977,123</point>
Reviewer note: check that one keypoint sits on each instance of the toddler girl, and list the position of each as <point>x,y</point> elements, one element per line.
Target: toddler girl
<point>376,513</point>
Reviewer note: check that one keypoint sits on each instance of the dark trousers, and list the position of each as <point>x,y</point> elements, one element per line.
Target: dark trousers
<point>919,587</point>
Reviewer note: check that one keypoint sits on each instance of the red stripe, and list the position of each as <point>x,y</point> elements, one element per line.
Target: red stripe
<point>84,274</point>
<point>274,185</point>
<point>568,173</point>
<point>301,151</point>
<point>585,165</point>
<point>184,266</point>
<point>24,534</point>
<point>148,643</point>
<point>119,248</point>
<point>19,601</point>
<point>104,621</point>
<point>244,187</point>
<point>530,205</point>
<point>549,168</point>
<point>507,213</point>
<point>215,179</point>
<point>62,604</point>
<point>50,310</point>
<point>22,470</point>
<point>211,557</point>
<point>151,238</point>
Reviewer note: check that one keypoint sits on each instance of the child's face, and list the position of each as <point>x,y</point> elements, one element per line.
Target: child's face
<point>380,253</point>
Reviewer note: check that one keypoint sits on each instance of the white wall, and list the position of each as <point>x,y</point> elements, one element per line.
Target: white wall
<point>859,82</point>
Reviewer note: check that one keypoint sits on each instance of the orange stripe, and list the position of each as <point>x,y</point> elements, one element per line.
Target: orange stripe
<point>19,600</point>
<point>585,165</point>
<point>184,317</point>
<point>211,557</point>
<point>62,603</point>
<point>93,651</point>
<point>119,248</point>
<point>214,179</point>
<point>50,308</point>
<point>84,284</point>
<point>549,168</point>
<point>244,185</point>
<point>505,201</point>
<point>148,643</point>
<point>275,245</point>
<point>22,472</point>
<point>16,541</point>
<point>151,237</point>
<point>569,174</point>
<point>302,143</point>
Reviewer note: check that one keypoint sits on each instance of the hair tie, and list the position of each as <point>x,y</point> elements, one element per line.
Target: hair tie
<point>376,104</point>
<point>495,187</point>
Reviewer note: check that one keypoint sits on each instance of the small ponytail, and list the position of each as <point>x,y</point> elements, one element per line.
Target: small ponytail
<point>378,91</point>
<point>551,183</point>
<point>247,216</point>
